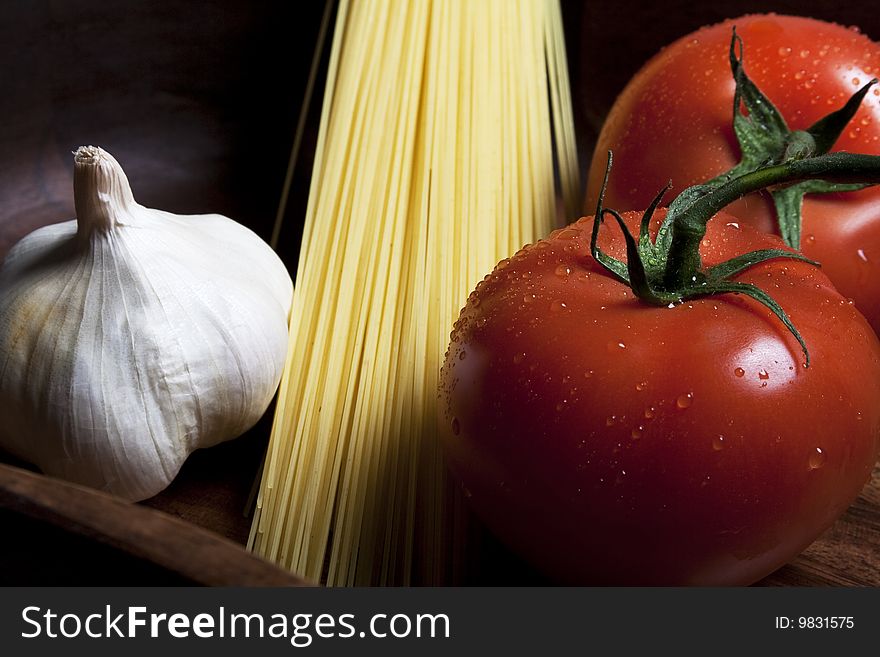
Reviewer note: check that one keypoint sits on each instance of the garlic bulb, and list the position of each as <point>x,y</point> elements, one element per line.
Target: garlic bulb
<point>130,337</point>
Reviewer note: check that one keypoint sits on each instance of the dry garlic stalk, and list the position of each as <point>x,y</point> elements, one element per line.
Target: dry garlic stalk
<point>131,337</point>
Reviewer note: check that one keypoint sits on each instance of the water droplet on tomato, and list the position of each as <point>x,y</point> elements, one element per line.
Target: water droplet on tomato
<point>456,426</point>
<point>561,405</point>
<point>462,354</point>
<point>613,347</point>
<point>763,374</point>
<point>519,357</point>
<point>810,239</point>
<point>641,385</point>
<point>636,433</point>
<point>817,459</point>
<point>528,298</point>
<point>504,263</point>
<point>650,413</point>
<point>800,75</point>
<point>563,271</point>
<point>718,443</point>
<point>739,372</point>
<point>588,374</point>
<point>856,81</point>
<point>610,420</point>
<point>568,233</point>
<point>684,401</point>
<point>557,306</point>
<point>784,51</point>
<point>862,256</point>
<point>732,224</point>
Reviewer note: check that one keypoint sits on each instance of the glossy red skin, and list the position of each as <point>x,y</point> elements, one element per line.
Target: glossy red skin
<point>673,121</point>
<point>612,442</point>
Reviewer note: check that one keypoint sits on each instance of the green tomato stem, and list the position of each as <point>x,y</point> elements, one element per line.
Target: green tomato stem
<point>689,226</point>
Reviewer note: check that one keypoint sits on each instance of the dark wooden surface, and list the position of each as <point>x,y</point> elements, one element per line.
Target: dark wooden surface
<point>848,554</point>
<point>199,105</point>
<point>61,534</point>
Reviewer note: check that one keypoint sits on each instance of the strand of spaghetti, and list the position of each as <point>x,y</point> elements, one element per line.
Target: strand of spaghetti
<point>345,353</point>
<point>280,451</point>
<point>563,116</point>
<point>316,285</point>
<point>359,485</point>
<point>359,380</point>
<point>300,125</point>
<point>389,446</point>
<point>446,189</point>
<point>422,235</point>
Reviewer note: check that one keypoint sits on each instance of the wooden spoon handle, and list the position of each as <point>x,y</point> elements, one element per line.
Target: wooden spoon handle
<point>59,533</point>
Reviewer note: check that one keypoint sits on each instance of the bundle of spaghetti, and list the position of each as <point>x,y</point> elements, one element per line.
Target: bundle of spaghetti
<point>442,127</point>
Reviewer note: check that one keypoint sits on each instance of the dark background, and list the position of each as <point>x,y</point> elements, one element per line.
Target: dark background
<point>199,103</point>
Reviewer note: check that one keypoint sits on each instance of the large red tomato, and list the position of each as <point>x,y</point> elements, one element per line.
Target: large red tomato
<point>609,441</point>
<point>674,121</point>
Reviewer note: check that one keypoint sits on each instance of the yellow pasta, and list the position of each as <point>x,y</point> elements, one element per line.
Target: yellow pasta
<point>443,122</point>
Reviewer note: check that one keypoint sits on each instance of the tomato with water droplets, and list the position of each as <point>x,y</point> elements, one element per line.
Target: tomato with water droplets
<point>610,441</point>
<point>673,122</point>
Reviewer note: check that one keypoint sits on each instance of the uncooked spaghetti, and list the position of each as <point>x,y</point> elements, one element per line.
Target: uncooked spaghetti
<point>443,123</point>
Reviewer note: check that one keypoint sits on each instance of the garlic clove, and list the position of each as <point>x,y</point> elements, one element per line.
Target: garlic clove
<point>131,337</point>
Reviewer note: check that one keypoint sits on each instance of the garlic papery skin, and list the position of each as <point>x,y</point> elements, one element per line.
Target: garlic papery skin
<point>131,337</point>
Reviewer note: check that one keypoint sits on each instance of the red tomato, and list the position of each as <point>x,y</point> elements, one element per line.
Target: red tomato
<point>674,121</point>
<point>609,441</point>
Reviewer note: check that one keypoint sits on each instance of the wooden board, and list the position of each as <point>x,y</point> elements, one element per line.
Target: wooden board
<point>62,534</point>
<point>848,554</point>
